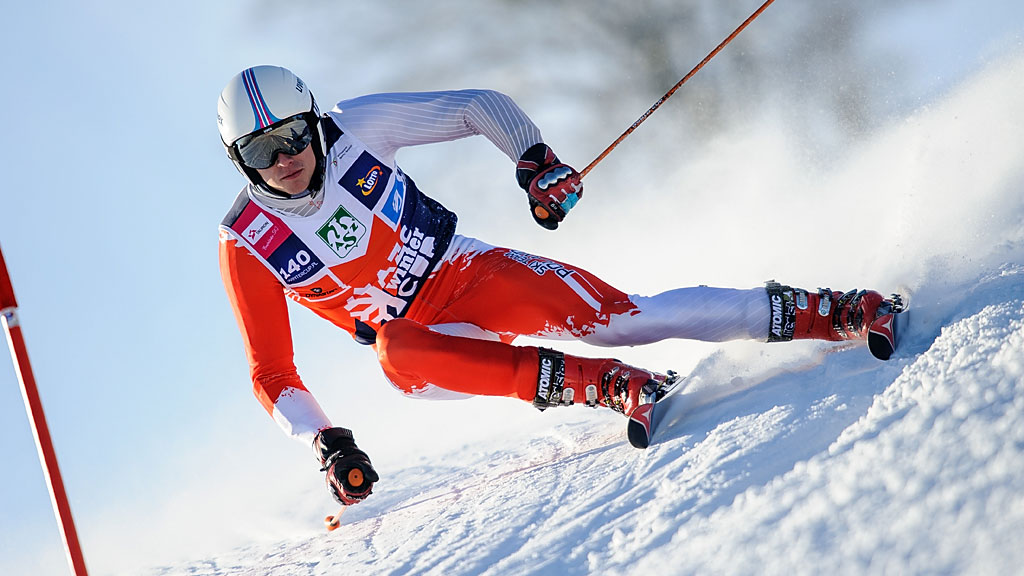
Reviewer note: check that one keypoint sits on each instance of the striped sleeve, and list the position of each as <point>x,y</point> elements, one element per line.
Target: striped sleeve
<point>387,122</point>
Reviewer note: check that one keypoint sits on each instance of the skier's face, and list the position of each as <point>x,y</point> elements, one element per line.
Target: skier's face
<point>291,174</point>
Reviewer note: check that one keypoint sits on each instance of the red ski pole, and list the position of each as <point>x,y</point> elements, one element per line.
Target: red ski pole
<point>676,87</point>
<point>47,457</point>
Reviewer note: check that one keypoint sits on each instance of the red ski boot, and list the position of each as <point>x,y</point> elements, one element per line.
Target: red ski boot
<point>564,380</point>
<point>826,315</point>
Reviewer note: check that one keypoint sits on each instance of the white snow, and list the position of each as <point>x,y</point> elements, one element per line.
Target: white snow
<point>798,459</point>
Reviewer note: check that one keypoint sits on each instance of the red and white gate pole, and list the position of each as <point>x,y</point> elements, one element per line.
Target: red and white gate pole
<point>59,498</point>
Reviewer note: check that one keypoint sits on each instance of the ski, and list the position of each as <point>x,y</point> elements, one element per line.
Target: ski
<point>642,422</point>
<point>884,333</point>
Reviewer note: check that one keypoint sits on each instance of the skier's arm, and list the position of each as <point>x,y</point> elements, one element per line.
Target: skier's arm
<point>387,122</point>
<point>261,311</point>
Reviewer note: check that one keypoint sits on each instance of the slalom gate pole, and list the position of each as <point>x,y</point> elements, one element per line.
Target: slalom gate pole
<point>47,456</point>
<point>676,87</point>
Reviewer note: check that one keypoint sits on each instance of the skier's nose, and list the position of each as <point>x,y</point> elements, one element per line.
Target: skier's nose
<point>284,160</point>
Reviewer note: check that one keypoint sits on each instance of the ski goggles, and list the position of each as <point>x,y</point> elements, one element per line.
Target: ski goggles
<point>259,149</point>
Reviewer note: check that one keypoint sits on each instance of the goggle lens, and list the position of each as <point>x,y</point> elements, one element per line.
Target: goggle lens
<point>260,149</point>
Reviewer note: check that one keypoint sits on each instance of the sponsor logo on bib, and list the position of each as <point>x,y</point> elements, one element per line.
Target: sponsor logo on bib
<point>366,179</point>
<point>342,232</point>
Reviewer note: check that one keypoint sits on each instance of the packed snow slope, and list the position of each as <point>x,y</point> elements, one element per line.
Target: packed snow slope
<point>798,459</point>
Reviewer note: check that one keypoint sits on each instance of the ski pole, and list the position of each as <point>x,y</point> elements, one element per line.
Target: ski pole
<point>47,456</point>
<point>355,479</point>
<point>676,87</point>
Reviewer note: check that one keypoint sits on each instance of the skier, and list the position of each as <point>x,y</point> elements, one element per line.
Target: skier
<point>330,220</point>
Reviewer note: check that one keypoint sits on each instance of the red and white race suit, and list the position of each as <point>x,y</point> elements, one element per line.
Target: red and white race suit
<point>375,256</point>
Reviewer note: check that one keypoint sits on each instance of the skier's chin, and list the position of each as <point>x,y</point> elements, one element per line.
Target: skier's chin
<point>293,184</point>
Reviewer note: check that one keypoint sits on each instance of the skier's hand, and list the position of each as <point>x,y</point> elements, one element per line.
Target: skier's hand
<point>350,476</point>
<point>552,187</point>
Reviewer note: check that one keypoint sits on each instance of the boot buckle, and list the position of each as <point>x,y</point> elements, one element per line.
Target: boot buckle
<point>824,302</point>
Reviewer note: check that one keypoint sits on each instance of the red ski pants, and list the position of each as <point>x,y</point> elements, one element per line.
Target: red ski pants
<point>457,335</point>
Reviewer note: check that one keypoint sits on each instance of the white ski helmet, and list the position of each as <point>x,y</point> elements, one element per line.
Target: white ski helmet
<point>259,99</point>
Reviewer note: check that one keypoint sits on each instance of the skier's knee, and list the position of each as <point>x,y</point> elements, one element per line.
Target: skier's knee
<point>395,341</point>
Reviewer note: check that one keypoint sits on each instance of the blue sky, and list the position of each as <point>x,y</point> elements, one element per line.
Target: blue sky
<point>108,227</point>
<point>114,185</point>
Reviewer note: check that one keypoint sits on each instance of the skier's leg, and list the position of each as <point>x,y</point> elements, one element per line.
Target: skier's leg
<point>698,313</point>
<point>419,360</point>
<point>775,313</point>
<point>513,293</point>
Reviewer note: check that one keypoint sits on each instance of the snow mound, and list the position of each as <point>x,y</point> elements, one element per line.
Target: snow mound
<point>927,481</point>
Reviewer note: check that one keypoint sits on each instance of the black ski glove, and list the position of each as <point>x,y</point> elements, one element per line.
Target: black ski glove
<point>350,476</point>
<point>552,187</point>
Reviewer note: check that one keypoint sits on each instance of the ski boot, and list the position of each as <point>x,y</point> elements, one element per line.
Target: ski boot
<point>863,315</point>
<point>564,380</point>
